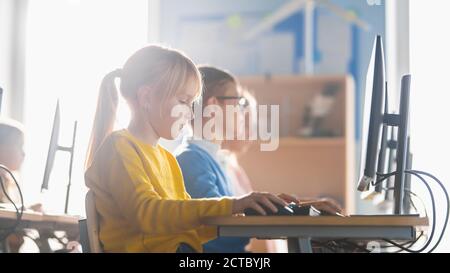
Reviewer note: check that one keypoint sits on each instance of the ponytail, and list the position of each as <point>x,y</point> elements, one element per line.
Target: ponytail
<point>105,114</point>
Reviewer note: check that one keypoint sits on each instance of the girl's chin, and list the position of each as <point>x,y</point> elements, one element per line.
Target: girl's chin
<point>172,135</point>
<point>175,133</point>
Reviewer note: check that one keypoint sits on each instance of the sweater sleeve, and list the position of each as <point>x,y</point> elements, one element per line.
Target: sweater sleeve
<point>138,201</point>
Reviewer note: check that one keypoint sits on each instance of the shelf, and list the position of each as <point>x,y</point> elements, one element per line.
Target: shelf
<point>318,141</point>
<point>296,80</point>
<point>323,165</point>
<point>309,142</point>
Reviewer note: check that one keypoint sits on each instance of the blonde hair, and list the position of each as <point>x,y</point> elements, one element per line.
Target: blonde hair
<point>165,69</point>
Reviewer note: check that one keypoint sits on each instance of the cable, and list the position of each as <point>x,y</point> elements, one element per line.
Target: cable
<point>412,203</point>
<point>433,203</point>
<point>433,226</point>
<point>448,204</point>
<point>411,244</point>
<point>354,245</point>
<point>346,241</point>
<point>403,247</point>
<point>384,177</point>
<point>421,201</point>
<point>325,245</point>
<point>418,174</point>
<point>339,245</point>
<point>19,212</point>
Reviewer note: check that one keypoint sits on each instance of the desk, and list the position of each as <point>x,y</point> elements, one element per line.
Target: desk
<point>300,229</point>
<point>46,224</point>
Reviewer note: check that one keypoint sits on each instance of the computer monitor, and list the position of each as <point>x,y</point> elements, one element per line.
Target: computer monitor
<point>402,122</point>
<point>372,116</point>
<point>391,164</point>
<point>55,147</point>
<point>387,187</point>
<point>407,187</point>
<point>400,157</point>
<point>1,99</point>
<point>382,154</point>
<point>374,140</point>
<point>52,148</point>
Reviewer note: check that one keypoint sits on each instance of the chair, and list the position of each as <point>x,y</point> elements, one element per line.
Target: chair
<point>91,226</point>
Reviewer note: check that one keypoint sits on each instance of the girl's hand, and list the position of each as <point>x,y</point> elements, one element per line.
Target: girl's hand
<point>259,201</point>
<point>325,204</point>
<point>36,207</point>
<point>289,198</point>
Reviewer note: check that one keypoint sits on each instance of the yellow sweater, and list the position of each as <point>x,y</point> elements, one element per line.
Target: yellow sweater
<point>141,199</point>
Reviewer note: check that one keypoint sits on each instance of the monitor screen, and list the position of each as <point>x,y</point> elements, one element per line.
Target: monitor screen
<point>52,148</point>
<point>373,111</point>
<point>1,99</point>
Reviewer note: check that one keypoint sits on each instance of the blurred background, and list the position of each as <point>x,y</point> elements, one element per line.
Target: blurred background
<point>61,49</point>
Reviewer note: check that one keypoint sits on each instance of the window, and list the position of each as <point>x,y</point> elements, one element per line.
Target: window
<point>430,96</point>
<point>71,45</point>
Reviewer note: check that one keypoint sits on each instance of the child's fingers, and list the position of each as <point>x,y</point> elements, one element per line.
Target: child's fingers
<point>288,198</point>
<point>329,203</point>
<point>267,203</point>
<point>276,200</point>
<point>333,205</point>
<point>327,207</point>
<point>258,208</point>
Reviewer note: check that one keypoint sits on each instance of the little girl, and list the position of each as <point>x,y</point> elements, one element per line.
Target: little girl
<point>139,190</point>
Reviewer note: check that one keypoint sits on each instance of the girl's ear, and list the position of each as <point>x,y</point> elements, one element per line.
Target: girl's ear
<point>143,95</point>
<point>212,101</point>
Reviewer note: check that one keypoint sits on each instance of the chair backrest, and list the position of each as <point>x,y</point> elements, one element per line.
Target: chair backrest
<point>84,239</point>
<point>92,224</point>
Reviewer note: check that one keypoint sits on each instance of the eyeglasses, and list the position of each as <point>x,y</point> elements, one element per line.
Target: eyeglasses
<point>242,101</point>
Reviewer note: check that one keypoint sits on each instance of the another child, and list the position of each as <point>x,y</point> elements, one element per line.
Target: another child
<point>233,148</point>
<point>199,160</point>
<point>11,156</point>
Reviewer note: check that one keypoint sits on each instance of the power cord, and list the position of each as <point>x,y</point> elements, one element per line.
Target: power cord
<point>419,175</point>
<point>339,244</point>
<point>19,211</point>
<point>448,205</point>
<point>433,213</point>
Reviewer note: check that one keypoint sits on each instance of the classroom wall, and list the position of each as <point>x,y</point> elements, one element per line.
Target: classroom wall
<point>210,31</point>
<point>12,56</point>
<point>5,49</point>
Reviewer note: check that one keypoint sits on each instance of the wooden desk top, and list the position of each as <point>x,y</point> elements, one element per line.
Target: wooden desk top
<point>359,220</point>
<point>32,216</point>
<point>40,221</point>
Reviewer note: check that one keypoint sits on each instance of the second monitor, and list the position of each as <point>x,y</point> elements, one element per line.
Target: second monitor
<point>377,118</point>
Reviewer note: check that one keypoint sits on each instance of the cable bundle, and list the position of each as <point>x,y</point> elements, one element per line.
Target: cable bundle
<point>420,175</point>
<point>5,232</point>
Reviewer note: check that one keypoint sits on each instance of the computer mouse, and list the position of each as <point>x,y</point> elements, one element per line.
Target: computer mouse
<point>299,210</point>
<point>282,211</point>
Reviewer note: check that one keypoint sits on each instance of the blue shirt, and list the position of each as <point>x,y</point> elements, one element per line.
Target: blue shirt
<point>204,178</point>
